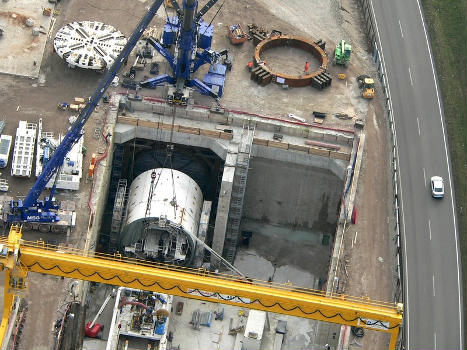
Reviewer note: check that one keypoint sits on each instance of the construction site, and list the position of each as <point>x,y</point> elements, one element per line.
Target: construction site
<point>242,143</point>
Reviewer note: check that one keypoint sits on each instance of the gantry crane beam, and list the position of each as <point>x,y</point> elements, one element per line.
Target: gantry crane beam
<point>197,284</point>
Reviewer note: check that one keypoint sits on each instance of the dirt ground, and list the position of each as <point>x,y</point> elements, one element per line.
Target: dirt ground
<point>26,99</point>
<point>328,19</point>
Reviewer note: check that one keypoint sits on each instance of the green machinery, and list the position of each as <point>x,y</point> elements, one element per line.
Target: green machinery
<point>342,53</point>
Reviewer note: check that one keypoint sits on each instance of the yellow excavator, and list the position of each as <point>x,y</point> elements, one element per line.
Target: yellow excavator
<point>367,85</point>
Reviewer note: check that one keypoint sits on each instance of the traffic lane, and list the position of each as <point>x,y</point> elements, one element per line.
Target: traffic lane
<point>448,332</point>
<point>414,194</point>
<point>445,288</point>
<point>427,108</point>
<point>419,299</point>
<point>405,32</point>
<point>431,112</point>
<point>421,313</point>
<point>428,317</point>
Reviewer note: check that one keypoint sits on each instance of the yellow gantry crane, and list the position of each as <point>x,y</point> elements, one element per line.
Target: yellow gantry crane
<point>18,257</point>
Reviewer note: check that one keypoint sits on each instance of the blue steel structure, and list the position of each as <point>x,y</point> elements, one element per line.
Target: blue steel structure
<point>33,210</point>
<point>185,61</point>
<point>191,37</point>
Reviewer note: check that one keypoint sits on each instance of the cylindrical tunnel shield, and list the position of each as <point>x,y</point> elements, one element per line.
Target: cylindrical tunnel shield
<point>161,228</point>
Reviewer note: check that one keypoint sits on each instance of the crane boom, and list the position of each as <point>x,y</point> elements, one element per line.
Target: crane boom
<point>18,257</point>
<point>205,9</point>
<point>29,207</point>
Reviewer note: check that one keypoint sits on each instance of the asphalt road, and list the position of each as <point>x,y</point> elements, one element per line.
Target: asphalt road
<point>433,293</point>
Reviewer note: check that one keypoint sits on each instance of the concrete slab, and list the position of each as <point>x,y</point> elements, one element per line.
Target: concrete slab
<point>253,265</point>
<point>284,274</point>
<point>301,333</point>
<point>214,337</point>
<point>281,254</point>
<point>21,52</point>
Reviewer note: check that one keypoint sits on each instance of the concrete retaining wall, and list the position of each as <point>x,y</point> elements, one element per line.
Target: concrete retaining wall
<point>99,195</point>
<point>218,141</point>
<point>238,118</point>
<point>289,194</point>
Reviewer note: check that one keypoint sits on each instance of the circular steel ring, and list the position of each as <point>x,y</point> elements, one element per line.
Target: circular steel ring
<point>297,42</point>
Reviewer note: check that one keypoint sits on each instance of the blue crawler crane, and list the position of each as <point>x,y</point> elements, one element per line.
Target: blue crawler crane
<point>33,210</point>
<point>192,39</point>
<point>189,37</point>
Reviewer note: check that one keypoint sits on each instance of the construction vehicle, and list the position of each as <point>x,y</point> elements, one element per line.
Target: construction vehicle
<point>19,257</point>
<point>63,106</point>
<point>367,85</point>
<point>192,38</point>
<point>93,329</point>
<point>342,53</point>
<point>236,34</point>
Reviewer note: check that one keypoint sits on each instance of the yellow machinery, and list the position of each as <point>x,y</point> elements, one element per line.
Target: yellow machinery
<point>18,257</point>
<point>367,85</point>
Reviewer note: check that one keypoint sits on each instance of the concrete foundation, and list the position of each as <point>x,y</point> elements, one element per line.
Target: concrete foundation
<point>21,52</point>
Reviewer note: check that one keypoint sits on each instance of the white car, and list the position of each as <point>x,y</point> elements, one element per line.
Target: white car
<point>437,187</point>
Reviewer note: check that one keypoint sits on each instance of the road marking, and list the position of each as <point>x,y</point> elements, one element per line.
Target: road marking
<point>435,340</point>
<point>429,228</point>
<point>424,176</point>
<point>400,27</point>
<point>459,289</point>
<point>404,246</point>
<point>434,293</point>
<point>410,76</point>
<point>418,126</point>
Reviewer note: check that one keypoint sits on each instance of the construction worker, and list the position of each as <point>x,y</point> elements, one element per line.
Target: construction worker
<point>250,65</point>
<point>307,67</point>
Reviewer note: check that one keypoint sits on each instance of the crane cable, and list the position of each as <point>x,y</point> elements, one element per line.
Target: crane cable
<point>155,179</point>
<point>165,10</point>
<point>169,155</point>
<point>213,17</point>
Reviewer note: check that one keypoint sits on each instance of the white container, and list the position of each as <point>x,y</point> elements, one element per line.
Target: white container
<point>23,153</point>
<point>5,147</point>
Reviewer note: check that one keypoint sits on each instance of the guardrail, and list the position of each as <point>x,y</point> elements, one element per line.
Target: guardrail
<point>371,28</point>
